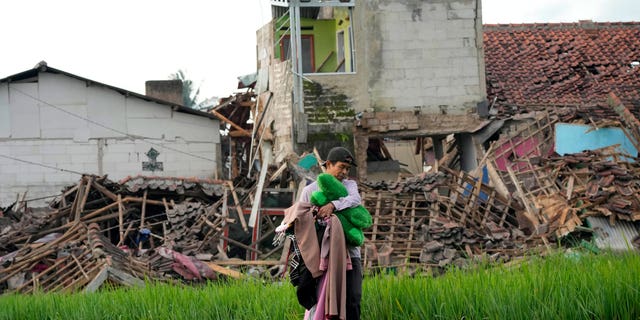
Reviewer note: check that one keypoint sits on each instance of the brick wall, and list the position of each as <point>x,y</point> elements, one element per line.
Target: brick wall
<point>280,113</point>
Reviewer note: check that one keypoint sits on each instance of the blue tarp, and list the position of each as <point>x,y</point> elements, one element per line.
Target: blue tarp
<point>574,138</point>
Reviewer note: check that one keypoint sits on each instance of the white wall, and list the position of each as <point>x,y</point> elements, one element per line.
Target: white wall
<point>110,136</point>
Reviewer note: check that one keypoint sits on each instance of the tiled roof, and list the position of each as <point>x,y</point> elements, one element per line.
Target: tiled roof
<point>563,64</point>
<point>179,185</point>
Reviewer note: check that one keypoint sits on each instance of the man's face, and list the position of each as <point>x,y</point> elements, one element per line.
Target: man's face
<point>339,169</point>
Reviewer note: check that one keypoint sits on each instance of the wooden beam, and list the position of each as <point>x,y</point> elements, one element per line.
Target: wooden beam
<point>222,270</point>
<point>104,190</point>
<point>120,219</point>
<point>233,124</point>
<point>240,262</point>
<point>319,159</point>
<point>239,134</point>
<point>98,280</point>
<point>238,207</point>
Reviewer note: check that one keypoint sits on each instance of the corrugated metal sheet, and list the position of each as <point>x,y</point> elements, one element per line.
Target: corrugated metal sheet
<point>618,237</point>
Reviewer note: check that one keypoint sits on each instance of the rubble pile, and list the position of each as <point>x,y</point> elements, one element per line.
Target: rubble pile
<point>522,198</point>
<point>533,197</point>
<point>437,219</point>
<point>99,230</point>
<point>600,182</point>
<point>81,258</point>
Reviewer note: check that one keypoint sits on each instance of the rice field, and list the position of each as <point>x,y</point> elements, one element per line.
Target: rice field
<point>562,286</point>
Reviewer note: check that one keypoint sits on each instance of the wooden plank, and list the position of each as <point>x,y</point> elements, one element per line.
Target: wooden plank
<point>233,124</point>
<point>222,270</point>
<point>238,207</point>
<point>319,159</point>
<point>98,280</point>
<point>142,214</point>
<point>393,219</point>
<point>570,187</point>
<point>126,232</point>
<point>85,195</point>
<point>78,197</point>
<point>497,181</point>
<point>531,216</point>
<point>124,278</point>
<point>144,209</point>
<point>120,219</point>
<point>266,161</point>
<point>278,172</point>
<point>240,244</point>
<point>411,226</point>
<point>80,266</point>
<point>104,190</point>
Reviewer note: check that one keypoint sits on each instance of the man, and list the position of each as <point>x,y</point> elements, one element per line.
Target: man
<point>338,163</point>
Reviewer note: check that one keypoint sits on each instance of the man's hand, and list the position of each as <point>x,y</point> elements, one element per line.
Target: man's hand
<point>326,210</point>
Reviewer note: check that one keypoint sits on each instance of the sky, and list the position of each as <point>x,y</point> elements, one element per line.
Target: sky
<point>125,43</point>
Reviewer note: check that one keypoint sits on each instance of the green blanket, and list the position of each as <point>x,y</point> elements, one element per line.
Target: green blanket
<point>353,220</point>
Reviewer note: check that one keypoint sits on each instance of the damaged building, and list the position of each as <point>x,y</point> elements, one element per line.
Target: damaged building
<point>494,141</point>
<point>404,71</point>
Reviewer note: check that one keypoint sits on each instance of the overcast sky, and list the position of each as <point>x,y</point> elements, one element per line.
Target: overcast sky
<point>124,43</point>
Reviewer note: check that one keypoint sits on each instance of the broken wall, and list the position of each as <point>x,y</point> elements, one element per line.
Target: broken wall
<point>422,57</point>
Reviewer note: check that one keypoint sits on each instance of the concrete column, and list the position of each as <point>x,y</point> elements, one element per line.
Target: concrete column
<point>360,145</point>
<point>101,144</point>
<point>438,148</point>
<point>467,149</point>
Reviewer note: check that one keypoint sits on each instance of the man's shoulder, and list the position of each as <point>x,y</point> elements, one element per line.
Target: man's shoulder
<point>311,186</point>
<point>348,181</point>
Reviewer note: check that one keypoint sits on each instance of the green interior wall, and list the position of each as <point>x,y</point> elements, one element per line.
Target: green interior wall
<point>324,39</point>
<point>342,15</point>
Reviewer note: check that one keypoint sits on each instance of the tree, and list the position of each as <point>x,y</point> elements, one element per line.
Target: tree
<point>189,92</point>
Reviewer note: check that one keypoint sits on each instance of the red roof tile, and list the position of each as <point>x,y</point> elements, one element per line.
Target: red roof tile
<point>563,64</point>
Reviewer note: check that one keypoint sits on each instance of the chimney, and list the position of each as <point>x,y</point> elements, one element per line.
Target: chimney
<point>166,90</point>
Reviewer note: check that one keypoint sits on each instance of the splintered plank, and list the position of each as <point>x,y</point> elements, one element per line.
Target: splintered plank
<point>532,217</point>
<point>227,272</point>
<point>120,219</point>
<point>238,207</point>
<point>85,195</point>
<point>411,228</point>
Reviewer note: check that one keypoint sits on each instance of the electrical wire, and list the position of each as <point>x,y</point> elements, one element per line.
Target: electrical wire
<point>145,139</point>
<point>41,164</point>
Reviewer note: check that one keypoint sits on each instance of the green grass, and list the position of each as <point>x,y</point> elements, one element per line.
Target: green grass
<point>578,286</point>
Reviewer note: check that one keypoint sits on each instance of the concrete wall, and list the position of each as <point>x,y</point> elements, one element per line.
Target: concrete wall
<point>112,138</point>
<point>413,53</point>
<point>424,53</point>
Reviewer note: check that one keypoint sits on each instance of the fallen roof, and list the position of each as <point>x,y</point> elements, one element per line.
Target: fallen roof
<point>563,64</point>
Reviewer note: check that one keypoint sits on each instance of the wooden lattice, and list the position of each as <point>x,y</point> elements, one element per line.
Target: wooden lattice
<point>455,216</point>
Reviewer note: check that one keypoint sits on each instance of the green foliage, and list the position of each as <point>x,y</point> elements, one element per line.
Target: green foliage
<point>579,285</point>
<point>189,92</point>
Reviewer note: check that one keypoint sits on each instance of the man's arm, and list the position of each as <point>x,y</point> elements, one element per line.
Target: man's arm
<point>305,195</point>
<point>351,200</point>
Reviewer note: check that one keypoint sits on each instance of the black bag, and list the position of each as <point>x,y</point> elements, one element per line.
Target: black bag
<point>300,277</point>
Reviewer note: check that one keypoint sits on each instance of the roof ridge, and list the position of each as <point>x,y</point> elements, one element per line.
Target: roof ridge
<point>582,24</point>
